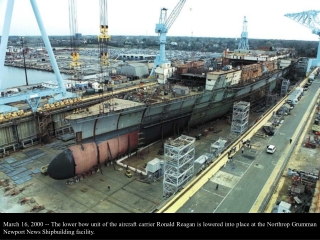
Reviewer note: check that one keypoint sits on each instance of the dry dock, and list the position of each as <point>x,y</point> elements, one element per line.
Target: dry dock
<point>126,195</point>
<point>42,194</point>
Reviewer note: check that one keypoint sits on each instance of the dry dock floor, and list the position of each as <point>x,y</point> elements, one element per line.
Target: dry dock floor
<point>126,195</point>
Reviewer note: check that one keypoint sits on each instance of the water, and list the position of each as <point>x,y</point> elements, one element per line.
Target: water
<point>13,77</point>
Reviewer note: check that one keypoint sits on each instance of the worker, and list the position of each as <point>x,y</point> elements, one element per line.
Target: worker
<point>229,153</point>
<point>242,149</point>
<point>217,187</point>
<point>290,140</point>
<point>108,187</point>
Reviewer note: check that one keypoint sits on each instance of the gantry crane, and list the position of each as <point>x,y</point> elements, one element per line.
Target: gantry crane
<point>33,97</point>
<point>103,39</point>
<point>74,39</point>
<point>310,20</point>
<point>244,44</point>
<point>162,28</point>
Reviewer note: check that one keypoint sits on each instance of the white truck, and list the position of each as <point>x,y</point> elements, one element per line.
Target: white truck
<point>311,78</point>
<point>294,97</point>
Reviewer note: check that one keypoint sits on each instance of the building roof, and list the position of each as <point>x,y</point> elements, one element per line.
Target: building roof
<point>137,64</point>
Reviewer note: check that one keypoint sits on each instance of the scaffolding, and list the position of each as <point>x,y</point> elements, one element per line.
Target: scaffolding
<point>271,99</point>
<point>178,166</point>
<point>284,87</point>
<point>240,117</point>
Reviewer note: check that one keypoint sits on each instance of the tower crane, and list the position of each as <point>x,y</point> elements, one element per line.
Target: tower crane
<point>103,39</point>
<point>162,28</point>
<point>33,97</point>
<point>244,44</point>
<point>310,20</point>
<point>74,39</point>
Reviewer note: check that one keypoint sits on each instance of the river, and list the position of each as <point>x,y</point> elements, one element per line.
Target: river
<point>14,77</point>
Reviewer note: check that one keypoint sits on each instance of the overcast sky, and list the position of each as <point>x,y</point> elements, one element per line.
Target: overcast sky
<point>198,18</point>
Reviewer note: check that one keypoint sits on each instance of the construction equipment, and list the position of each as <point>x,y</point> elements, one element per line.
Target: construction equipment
<point>74,39</point>
<point>128,173</point>
<point>44,169</point>
<point>37,208</point>
<point>310,144</point>
<point>296,180</point>
<point>243,44</point>
<point>24,201</point>
<point>103,38</point>
<point>162,28</point>
<point>4,182</point>
<point>310,20</point>
<point>33,99</point>
<point>316,139</point>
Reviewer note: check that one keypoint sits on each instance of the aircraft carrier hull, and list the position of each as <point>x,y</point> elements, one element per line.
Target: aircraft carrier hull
<point>118,133</point>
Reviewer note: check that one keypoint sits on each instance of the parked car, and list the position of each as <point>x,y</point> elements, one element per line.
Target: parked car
<point>268,130</point>
<point>271,148</point>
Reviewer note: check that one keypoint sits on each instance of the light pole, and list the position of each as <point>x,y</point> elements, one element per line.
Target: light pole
<point>24,61</point>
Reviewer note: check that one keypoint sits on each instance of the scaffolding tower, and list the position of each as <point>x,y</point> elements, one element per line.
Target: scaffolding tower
<point>178,165</point>
<point>271,99</point>
<point>284,87</point>
<point>240,117</point>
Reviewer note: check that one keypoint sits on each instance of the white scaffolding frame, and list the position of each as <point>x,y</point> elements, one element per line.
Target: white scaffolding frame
<point>284,87</point>
<point>179,168</point>
<point>240,117</point>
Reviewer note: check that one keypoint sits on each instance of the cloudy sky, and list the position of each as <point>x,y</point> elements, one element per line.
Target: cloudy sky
<point>198,18</point>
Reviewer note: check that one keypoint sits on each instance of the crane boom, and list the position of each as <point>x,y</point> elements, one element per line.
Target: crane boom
<point>162,28</point>
<point>174,14</point>
<point>74,40</point>
<point>31,97</point>
<point>310,20</point>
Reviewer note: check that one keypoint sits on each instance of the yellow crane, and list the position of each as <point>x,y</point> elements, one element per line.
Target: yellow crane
<point>103,38</point>
<point>74,35</point>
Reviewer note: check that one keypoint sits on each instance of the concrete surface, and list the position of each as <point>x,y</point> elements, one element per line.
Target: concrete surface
<point>242,186</point>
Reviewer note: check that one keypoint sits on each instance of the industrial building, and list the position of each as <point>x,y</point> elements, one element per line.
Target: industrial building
<point>135,70</point>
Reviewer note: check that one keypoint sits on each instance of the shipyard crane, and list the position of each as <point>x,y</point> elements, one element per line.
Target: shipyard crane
<point>74,39</point>
<point>32,97</point>
<point>162,28</point>
<point>310,20</point>
<point>244,44</point>
<point>103,39</point>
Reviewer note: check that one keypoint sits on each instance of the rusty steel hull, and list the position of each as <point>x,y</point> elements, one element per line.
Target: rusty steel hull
<point>83,159</point>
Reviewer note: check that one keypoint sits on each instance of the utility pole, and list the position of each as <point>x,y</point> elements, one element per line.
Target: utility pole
<point>24,61</point>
